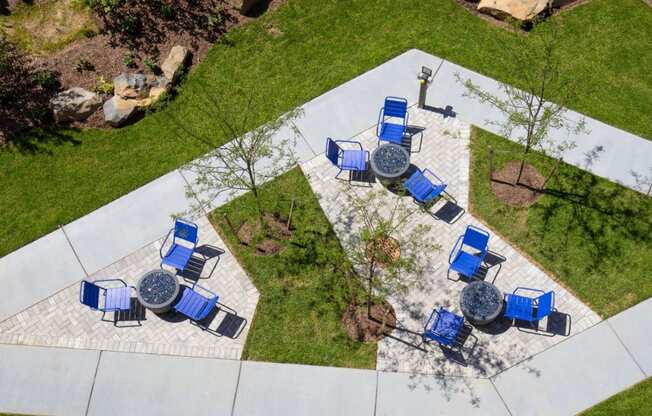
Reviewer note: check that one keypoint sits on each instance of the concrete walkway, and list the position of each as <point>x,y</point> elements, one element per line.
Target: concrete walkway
<point>563,380</point>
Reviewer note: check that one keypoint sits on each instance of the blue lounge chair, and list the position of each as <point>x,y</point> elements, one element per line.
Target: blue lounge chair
<point>98,298</point>
<point>529,309</point>
<point>464,261</point>
<point>183,245</point>
<point>196,306</point>
<point>423,188</point>
<point>393,132</point>
<point>443,327</point>
<point>355,160</point>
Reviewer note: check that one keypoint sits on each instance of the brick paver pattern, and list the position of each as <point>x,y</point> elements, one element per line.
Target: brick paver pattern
<point>445,151</point>
<point>61,321</point>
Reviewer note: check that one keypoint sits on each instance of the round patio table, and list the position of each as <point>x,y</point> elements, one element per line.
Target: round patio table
<point>157,290</point>
<point>390,162</point>
<point>481,302</point>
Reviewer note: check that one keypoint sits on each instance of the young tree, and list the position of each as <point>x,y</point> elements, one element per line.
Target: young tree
<point>531,113</point>
<point>247,159</point>
<point>388,254</point>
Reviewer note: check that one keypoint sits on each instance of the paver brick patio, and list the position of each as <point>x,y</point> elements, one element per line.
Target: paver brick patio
<point>61,321</point>
<point>445,151</point>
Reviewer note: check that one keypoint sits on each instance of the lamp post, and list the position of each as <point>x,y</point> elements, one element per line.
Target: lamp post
<point>424,78</point>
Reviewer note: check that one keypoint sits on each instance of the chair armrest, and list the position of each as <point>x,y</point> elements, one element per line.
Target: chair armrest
<point>380,120</point>
<point>527,288</point>
<point>160,251</point>
<point>407,117</point>
<point>351,142</point>
<point>112,280</point>
<point>454,250</point>
<point>433,174</point>
<point>213,294</point>
<point>425,327</point>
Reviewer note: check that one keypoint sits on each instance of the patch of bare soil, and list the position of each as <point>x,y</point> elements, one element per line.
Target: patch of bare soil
<point>525,193</point>
<point>360,328</point>
<point>276,230</point>
<point>386,250</point>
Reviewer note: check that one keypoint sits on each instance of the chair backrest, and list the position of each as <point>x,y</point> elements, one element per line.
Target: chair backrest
<point>332,151</point>
<point>185,230</point>
<point>395,107</point>
<point>476,238</point>
<point>545,303</point>
<point>89,294</point>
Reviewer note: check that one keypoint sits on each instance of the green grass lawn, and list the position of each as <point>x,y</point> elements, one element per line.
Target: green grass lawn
<point>635,401</point>
<point>594,235</point>
<point>303,289</point>
<point>58,175</point>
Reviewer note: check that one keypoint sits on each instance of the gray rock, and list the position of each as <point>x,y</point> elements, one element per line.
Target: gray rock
<point>130,86</point>
<point>74,104</point>
<point>175,62</point>
<point>118,111</point>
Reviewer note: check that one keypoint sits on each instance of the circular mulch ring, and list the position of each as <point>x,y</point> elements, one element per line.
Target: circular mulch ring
<point>387,250</point>
<point>359,327</point>
<point>526,193</point>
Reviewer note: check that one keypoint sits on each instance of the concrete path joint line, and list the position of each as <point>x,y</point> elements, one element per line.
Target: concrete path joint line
<point>376,394</point>
<point>63,230</point>
<point>500,396</point>
<point>90,395</point>
<point>237,386</point>
<point>626,348</point>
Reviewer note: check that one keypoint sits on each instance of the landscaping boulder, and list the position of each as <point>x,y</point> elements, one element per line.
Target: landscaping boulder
<point>175,63</point>
<point>74,104</point>
<point>130,86</point>
<point>519,9</point>
<point>117,111</point>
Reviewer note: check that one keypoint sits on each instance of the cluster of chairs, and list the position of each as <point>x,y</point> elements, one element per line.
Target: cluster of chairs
<point>196,302</point>
<point>350,156</point>
<point>466,258</point>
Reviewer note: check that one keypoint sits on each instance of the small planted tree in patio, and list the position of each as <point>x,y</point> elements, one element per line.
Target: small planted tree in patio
<point>389,254</point>
<point>539,107</point>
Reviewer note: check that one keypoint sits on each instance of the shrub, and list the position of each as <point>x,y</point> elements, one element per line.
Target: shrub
<point>103,86</point>
<point>129,59</point>
<point>46,79</point>
<point>151,65</point>
<point>84,64</point>
<point>167,12</point>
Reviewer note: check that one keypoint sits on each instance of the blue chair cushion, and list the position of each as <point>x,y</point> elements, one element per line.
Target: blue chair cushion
<point>354,160</point>
<point>422,189</point>
<point>117,299</point>
<point>90,294</point>
<point>194,305</point>
<point>446,327</point>
<point>392,132</point>
<point>519,307</point>
<point>177,256</point>
<point>466,264</point>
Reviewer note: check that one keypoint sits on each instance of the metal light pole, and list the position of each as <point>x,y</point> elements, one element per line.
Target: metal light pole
<point>424,80</point>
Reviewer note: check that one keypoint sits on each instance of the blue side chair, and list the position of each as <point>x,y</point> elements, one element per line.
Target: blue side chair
<point>529,309</point>
<point>106,299</point>
<point>392,120</point>
<point>351,160</point>
<point>184,242</point>
<point>424,186</point>
<point>444,327</point>
<point>195,305</point>
<point>469,252</point>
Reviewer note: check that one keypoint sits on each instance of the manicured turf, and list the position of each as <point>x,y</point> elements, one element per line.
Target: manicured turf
<point>302,289</point>
<point>594,235</point>
<point>636,401</point>
<point>322,45</point>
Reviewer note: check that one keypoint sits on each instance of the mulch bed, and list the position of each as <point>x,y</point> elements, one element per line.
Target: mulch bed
<point>526,193</point>
<point>360,328</point>
<point>158,35</point>
<point>276,231</point>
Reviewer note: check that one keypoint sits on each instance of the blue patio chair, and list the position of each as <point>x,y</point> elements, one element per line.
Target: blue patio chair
<point>529,309</point>
<point>393,132</point>
<point>195,305</point>
<point>105,299</point>
<point>443,327</point>
<point>355,160</point>
<point>463,260</point>
<point>424,186</point>
<point>184,242</point>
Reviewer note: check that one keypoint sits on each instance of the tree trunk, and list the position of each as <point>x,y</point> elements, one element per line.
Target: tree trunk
<point>491,163</point>
<point>553,172</point>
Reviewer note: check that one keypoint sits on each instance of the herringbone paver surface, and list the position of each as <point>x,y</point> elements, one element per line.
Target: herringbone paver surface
<point>62,321</point>
<point>500,345</point>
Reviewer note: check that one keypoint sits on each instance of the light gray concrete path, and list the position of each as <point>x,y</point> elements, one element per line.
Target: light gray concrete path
<point>36,271</point>
<point>634,328</point>
<point>46,381</point>
<point>570,377</point>
<point>268,390</point>
<point>141,384</point>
